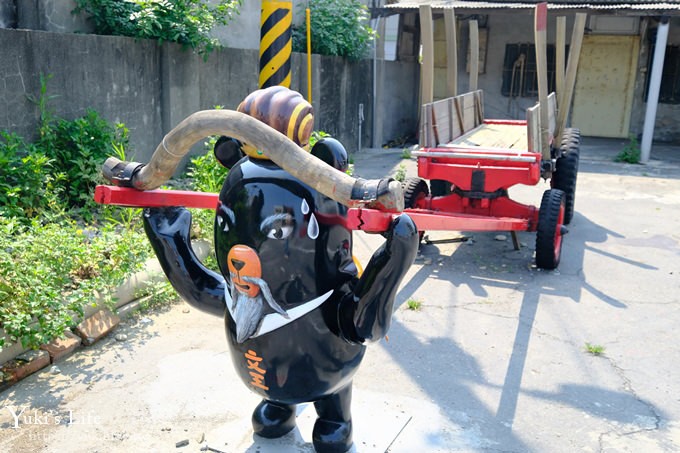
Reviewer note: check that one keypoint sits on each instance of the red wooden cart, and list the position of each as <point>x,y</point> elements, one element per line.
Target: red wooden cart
<point>471,162</point>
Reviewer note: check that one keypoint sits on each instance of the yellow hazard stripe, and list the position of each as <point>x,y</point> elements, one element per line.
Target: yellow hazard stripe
<point>286,81</point>
<point>268,8</point>
<point>275,63</point>
<point>277,30</point>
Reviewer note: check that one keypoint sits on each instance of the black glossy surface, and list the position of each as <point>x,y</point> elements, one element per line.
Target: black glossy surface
<point>169,229</point>
<point>280,245</point>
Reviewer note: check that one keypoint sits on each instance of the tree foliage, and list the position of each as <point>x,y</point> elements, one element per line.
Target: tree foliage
<point>338,27</point>
<point>187,22</point>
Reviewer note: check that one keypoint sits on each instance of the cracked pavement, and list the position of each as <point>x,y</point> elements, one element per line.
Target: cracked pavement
<point>494,359</point>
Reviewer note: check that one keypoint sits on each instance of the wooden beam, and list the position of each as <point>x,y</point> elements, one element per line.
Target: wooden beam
<point>560,41</point>
<point>427,66</point>
<point>474,55</point>
<point>570,77</point>
<point>451,53</point>
<point>540,33</point>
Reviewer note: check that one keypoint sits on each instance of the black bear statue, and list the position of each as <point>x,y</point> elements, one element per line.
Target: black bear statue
<point>297,311</point>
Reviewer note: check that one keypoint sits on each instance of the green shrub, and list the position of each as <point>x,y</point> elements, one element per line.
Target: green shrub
<point>28,185</point>
<point>316,136</point>
<point>51,266</point>
<point>187,22</point>
<point>338,27</point>
<point>77,149</point>
<point>50,272</point>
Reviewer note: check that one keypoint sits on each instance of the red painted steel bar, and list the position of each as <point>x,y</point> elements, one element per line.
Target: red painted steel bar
<point>369,220</point>
<point>125,196</point>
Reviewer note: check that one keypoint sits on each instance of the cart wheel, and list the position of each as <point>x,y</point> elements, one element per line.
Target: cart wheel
<point>415,192</point>
<point>572,136</point>
<point>550,229</point>
<point>564,177</point>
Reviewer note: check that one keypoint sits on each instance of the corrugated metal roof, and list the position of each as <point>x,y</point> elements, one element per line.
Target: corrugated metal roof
<point>670,5</point>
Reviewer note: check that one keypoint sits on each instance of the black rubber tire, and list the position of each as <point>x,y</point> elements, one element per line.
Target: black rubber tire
<point>566,170</point>
<point>549,230</point>
<point>572,132</point>
<point>414,190</point>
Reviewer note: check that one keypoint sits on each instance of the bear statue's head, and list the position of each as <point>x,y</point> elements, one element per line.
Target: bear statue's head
<point>281,246</point>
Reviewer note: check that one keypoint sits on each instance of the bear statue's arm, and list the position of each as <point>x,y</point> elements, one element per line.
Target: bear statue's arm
<point>366,314</point>
<point>169,229</point>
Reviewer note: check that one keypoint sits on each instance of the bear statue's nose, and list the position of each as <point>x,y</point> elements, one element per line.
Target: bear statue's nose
<point>238,264</point>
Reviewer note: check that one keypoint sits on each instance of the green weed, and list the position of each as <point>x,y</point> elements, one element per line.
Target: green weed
<point>414,305</point>
<point>594,349</point>
<point>630,153</point>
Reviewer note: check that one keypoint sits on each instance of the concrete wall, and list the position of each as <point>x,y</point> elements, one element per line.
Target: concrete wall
<point>49,15</point>
<point>8,14</point>
<point>151,88</point>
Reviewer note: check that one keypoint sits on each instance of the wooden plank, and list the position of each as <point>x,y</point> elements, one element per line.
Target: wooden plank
<point>427,66</point>
<point>552,113</point>
<point>451,52</point>
<point>469,112</point>
<point>425,126</point>
<point>479,107</point>
<point>453,120</point>
<point>570,77</point>
<point>474,55</point>
<point>501,136</point>
<point>447,119</point>
<point>533,130</point>
<point>441,121</point>
<point>540,33</point>
<point>560,41</point>
<point>459,116</point>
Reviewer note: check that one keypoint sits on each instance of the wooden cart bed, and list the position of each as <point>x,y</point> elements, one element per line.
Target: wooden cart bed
<point>458,123</point>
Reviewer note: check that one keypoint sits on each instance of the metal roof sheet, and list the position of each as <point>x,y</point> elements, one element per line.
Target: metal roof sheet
<point>670,5</point>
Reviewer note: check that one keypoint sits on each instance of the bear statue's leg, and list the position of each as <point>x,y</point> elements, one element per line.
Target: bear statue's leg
<point>333,429</point>
<point>273,420</point>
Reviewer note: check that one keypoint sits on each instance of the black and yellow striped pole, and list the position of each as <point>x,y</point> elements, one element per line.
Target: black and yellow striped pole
<point>276,20</point>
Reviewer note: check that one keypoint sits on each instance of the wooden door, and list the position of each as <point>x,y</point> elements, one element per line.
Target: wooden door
<point>603,96</point>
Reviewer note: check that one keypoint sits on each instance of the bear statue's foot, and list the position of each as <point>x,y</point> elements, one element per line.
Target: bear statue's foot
<point>273,420</point>
<point>331,436</point>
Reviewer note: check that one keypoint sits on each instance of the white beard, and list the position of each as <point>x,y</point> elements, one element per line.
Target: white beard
<point>247,313</point>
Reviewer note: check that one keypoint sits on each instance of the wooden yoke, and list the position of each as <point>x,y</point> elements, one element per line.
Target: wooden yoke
<point>379,194</point>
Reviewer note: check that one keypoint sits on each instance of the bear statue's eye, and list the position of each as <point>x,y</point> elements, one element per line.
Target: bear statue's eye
<point>278,226</point>
<point>224,216</point>
<point>222,224</point>
<point>281,232</point>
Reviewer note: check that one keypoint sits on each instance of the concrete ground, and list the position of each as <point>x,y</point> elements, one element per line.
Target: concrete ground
<point>495,359</point>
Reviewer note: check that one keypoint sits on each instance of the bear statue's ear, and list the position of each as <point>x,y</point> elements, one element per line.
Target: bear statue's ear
<point>227,151</point>
<point>332,152</point>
